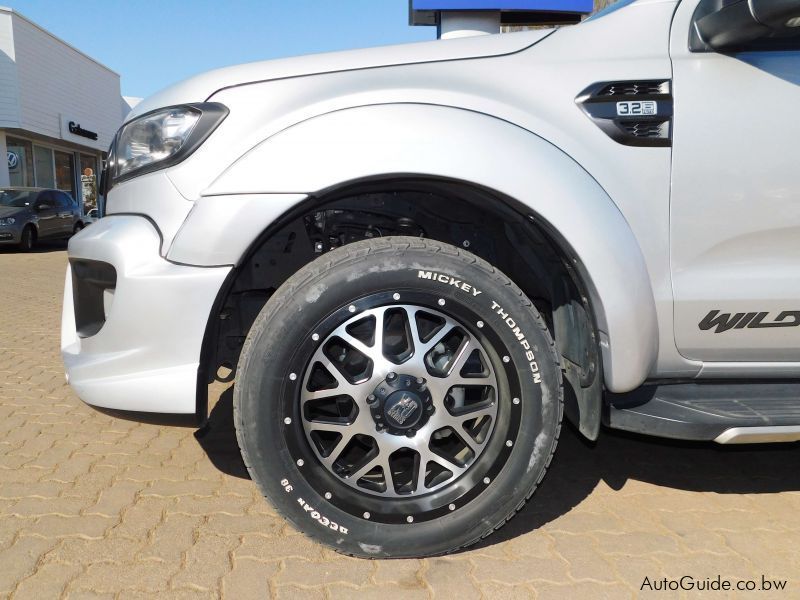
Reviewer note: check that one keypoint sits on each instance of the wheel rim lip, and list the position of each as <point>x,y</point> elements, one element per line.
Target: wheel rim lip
<point>465,488</point>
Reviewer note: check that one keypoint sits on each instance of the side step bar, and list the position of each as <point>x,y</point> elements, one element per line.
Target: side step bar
<point>724,412</point>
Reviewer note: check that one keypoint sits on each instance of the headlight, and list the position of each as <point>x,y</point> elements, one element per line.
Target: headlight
<point>8,221</point>
<point>162,138</point>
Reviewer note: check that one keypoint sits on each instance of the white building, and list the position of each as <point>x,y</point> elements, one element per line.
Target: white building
<point>59,110</point>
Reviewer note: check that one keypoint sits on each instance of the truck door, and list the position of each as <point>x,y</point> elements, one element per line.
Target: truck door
<point>735,203</point>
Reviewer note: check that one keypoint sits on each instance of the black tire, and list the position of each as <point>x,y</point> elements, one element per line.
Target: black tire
<point>322,296</point>
<point>27,239</point>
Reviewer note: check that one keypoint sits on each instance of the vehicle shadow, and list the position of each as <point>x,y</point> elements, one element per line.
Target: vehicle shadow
<point>579,466</point>
<point>42,247</point>
<point>218,438</point>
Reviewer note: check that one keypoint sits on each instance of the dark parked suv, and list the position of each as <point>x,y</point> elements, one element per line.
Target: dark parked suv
<point>30,214</point>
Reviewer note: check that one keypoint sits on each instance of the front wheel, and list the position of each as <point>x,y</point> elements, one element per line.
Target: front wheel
<point>398,397</point>
<point>27,239</point>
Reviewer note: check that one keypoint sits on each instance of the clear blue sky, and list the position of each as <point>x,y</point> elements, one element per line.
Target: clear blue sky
<point>153,43</point>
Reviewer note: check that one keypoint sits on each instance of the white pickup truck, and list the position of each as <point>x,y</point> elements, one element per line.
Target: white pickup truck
<point>414,260</point>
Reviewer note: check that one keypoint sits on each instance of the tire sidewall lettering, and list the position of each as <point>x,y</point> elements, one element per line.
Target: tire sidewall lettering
<point>462,284</point>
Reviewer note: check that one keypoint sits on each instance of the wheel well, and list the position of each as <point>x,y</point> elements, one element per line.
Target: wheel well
<point>491,226</point>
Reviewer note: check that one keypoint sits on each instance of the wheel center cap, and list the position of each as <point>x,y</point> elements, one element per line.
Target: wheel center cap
<point>402,409</point>
<point>401,404</point>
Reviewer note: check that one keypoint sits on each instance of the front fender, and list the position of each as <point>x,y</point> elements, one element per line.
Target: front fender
<point>426,140</point>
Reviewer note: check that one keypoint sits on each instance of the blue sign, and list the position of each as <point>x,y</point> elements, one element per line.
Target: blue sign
<point>579,6</point>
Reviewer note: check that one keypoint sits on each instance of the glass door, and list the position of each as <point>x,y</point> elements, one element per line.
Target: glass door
<point>65,172</point>
<point>43,167</point>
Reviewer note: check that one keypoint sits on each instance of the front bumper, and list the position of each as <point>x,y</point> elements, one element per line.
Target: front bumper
<point>10,234</point>
<point>145,355</point>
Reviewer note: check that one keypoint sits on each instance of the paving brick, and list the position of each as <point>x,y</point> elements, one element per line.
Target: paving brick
<point>260,547</point>
<point>19,560</point>
<point>404,573</point>
<point>172,537</point>
<point>36,507</point>
<point>449,578</point>
<point>635,543</point>
<point>145,576</point>
<point>248,579</point>
<point>293,592</point>
<point>581,591</point>
<point>79,551</point>
<point>513,572</point>
<point>88,595</point>
<point>113,500</point>
<point>583,558</point>
<point>36,489</point>
<point>499,591</point>
<point>49,581</point>
<point>305,573</point>
<point>242,524</point>
<point>377,592</point>
<point>138,520</point>
<point>168,489</point>
<point>230,505</point>
<point>206,562</point>
<point>58,526</point>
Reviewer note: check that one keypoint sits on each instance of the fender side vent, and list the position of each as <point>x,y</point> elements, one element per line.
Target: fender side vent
<point>646,129</point>
<point>633,113</point>
<point>636,88</point>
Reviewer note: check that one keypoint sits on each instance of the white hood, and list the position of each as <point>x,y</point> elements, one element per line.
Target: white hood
<point>200,87</point>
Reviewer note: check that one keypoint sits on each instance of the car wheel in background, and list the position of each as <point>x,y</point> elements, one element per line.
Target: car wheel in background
<point>27,239</point>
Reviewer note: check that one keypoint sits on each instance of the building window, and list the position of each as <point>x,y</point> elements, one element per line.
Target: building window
<point>65,172</point>
<point>43,166</point>
<point>20,165</point>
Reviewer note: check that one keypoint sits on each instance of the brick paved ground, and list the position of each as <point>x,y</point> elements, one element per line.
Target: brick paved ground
<point>93,507</point>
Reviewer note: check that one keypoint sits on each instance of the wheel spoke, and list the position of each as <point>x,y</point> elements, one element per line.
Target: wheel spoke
<point>419,476</point>
<point>333,427</point>
<point>378,461</point>
<point>367,351</point>
<point>459,380</point>
<point>378,345</point>
<point>462,418</point>
<point>321,394</point>
<point>341,380</point>
<point>421,347</point>
<point>337,448</point>
<point>430,456</point>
